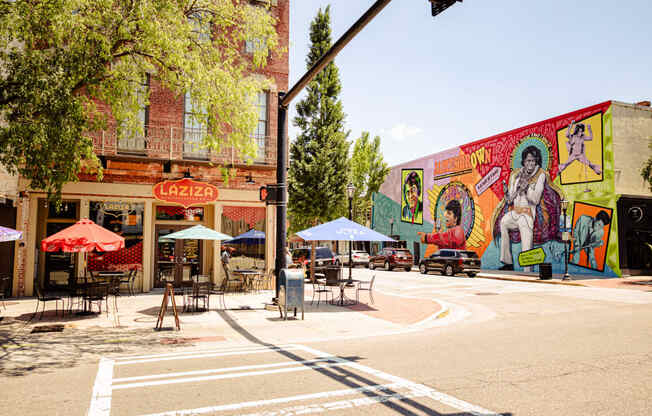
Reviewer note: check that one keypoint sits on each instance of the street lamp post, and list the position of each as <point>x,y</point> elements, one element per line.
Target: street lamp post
<point>564,237</point>
<point>350,189</point>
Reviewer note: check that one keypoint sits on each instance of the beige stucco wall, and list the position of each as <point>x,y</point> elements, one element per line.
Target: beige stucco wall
<point>91,191</point>
<point>632,133</point>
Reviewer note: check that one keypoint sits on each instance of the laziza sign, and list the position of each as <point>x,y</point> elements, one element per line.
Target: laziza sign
<point>185,192</point>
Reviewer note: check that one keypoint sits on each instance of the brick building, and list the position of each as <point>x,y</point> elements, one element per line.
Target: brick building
<point>125,201</point>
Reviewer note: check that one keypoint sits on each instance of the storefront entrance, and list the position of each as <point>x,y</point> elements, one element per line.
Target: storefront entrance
<point>177,260</point>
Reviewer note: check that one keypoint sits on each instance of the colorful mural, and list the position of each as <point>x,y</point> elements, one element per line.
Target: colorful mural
<point>502,195</point>
<point>412,196</point>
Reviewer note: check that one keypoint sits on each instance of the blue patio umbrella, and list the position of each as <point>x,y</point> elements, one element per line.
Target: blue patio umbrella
<point>250,237</point>
<point>342,229</point>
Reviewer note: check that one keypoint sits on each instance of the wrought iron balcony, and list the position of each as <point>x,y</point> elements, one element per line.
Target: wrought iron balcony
<point>172,143</point>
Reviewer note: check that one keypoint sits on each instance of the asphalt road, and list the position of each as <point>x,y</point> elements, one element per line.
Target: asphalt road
<point>507,348</point>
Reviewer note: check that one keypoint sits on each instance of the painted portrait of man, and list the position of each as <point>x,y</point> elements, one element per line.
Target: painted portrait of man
<point>412,196</point>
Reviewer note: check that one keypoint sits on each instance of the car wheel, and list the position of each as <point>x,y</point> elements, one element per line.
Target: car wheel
<point>448,271</point>
<point>387,266</point>
<point>371,266</point>
<point>471,274</point>
<point>408,269</point>
<point>422,269</point>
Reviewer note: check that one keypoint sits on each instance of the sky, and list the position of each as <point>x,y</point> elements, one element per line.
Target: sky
<point>480,68</point>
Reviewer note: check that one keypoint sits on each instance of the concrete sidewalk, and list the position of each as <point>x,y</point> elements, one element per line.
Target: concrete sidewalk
<point>643,283</point>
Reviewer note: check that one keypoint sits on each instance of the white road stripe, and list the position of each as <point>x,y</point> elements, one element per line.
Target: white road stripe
<point>190,355</point>
<point>201,351</point>
<point>260,403</point>
<point>435,395</point>
<point>225,376</point>
<point>218,370</point>
<point>101,397</point>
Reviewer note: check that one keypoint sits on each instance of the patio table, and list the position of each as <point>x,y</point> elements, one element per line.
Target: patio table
<point>248,275</point>
<point>343,300</point>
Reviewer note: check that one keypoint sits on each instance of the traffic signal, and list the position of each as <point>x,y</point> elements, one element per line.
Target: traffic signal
<point>438,6</point>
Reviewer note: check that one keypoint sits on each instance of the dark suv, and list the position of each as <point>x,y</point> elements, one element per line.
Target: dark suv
<point>390,258</point>
<point>323,257</point>
<point>450,262</point>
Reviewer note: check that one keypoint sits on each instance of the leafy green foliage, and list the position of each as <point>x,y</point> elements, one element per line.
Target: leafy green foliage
<point>319,163</point>
<point>646,171</point>
<point>368,172</point>
<point>62,61</point>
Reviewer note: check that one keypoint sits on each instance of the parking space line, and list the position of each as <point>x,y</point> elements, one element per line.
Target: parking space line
<point>101,397</point>
<point>190,355</point>
<point>218,370</point>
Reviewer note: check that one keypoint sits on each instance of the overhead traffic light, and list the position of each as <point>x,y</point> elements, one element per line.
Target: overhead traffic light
<point>438,6</point>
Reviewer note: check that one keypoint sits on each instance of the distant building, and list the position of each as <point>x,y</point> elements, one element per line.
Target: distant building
<point>511,186</point>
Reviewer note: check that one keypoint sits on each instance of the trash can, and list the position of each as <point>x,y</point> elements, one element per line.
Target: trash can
<point>290,295</point>
<point>332,274</point>
<point>545,271</point>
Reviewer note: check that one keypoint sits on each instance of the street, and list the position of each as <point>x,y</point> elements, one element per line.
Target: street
<point>510,348</point>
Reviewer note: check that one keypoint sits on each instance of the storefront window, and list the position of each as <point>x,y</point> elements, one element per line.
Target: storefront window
<point>125,219</point>
<point>180,213</point>
<point>246,252</point>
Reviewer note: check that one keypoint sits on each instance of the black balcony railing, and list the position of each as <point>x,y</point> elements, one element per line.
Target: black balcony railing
<point>172,143</point>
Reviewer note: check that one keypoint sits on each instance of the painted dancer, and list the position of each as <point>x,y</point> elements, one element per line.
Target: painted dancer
<point>588,233</point>
<point>454,236</point>
<point>576,148</point>
<point>523,196</point>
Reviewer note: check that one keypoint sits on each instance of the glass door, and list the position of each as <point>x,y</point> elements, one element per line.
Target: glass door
<point>176,260</point>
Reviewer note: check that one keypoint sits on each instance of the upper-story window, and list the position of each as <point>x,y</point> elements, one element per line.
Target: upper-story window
<point>201,27</point>
<point>132,140</point>
<point>254,45</point>
<point>194,131</point>
<point>260,134</point>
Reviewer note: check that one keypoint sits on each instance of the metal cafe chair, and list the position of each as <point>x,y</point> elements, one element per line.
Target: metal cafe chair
<point>4,284</point>
<point>365,286</point>
<point>44,298</point>
<point>318,287</point>
<point>129,280</point>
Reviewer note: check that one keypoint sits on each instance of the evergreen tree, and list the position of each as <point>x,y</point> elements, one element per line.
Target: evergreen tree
<point>368,172</point>
<point>319,164</point>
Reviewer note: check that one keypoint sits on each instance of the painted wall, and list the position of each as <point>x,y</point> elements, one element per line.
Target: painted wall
<point>509,189</point>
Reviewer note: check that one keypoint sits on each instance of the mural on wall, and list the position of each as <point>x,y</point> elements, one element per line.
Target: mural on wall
<point>591,226</point>
<point>412,196</point>
<point>501,196</point>
<point>580,151</point>
<point>530,208</point>
<point>457,222</point>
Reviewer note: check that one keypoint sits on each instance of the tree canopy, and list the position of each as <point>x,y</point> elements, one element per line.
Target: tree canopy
<point>368,172</point>
<point>59,59</point>
<point>319,165</point>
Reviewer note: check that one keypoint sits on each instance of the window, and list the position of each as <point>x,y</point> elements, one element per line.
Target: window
<point>260,134</point>
<point>132,141</point>
<point>194,131</point>
<point>201,27</point>
<point>254,45</point>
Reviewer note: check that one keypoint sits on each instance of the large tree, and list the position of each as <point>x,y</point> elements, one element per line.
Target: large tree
<point>368,172</point>
<point>646,170</point>
<point>60,58</point>
<point>319,156</point>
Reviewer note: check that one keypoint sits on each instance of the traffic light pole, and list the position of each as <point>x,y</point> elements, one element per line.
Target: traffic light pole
<point>284,100</point>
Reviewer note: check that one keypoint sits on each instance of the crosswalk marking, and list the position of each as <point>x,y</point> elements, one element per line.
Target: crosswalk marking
<point>392,388</point>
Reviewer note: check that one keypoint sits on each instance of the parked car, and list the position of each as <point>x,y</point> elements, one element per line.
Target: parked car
<point>450,262</point>
<point>358,258</point>
<point>391,257</point>
<point>323,257</point>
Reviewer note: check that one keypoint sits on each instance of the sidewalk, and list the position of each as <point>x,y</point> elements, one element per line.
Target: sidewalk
<point>643,283</point>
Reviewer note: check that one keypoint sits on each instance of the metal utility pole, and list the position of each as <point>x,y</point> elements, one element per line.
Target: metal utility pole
<point>284,100</point>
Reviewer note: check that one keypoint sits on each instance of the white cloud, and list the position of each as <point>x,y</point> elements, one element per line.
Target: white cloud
<point>401,132</point>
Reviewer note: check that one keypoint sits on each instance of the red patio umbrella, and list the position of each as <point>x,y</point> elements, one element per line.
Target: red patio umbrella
<point>83,236</point>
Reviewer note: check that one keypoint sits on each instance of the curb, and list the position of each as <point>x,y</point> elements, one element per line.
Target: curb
<point>548,282</point>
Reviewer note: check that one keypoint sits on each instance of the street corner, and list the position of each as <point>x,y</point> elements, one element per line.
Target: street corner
<point>405,311</point>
